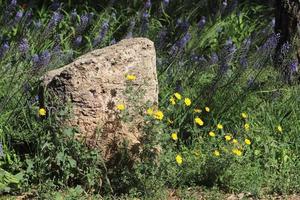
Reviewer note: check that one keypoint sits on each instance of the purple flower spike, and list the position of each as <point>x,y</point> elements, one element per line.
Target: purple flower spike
<point>45,58</point>
<point>294,66</point>
<point>202,22</point>
<point>1,150</point>
<point>18,16</point>
<point>102,34</point>
<point>78,40</point>
<point>4,48</point>
<point>24,46</point>
<point>148,4</point>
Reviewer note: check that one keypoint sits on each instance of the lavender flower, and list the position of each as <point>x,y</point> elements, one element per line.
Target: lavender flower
<point>162,38</point>
<point>55,6</point>
<point>113,41</point>
<point>4,48</point>
<point>148,4</point>
<point>13,3</point>
<point>202,22</point>
<point>224,4</point>
<point>214,58</point>
<point>24,46</point>
<point>1,150</point>
<point>18,16</point>
<point>130,29</point>
<point>54,21</point>
<point>44,58</point>
<point>84,22</point>
<point>145,22</point>
<point>183,25</point>
<point>180,45</point>
<point>166,2</point>
<point>294,66</point>
<point>78,40</point>
<point>35,59</point>
<point>102,34</point>
<point>285,48</point>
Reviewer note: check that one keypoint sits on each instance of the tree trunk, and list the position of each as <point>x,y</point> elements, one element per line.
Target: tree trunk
<point>287,23</point>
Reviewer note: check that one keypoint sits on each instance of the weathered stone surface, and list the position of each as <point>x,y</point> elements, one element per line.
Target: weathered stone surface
<point>95,83</point>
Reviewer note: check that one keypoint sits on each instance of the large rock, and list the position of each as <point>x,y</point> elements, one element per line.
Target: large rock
<point>94,84</point>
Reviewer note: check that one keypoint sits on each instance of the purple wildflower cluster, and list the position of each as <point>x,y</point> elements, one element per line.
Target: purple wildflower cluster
<point>41,60</point>
<point>102,33</point>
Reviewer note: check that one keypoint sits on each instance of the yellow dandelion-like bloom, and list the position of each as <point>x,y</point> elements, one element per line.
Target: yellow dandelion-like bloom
<point>244,115</point>
<point>217,153</point>
<point>172,101</point>
<point>177,95</point>
<point>149,111</point>
<point>220,126</point>
<point>158,115</point>
<point>42,112</point>
<point>235,141</point>
<point>131,77</point>
<point>187,101</point>
<point>196,110</point>
<point>179,159</point>
<point>174,136</point>
<point>247,127</point>
<point>207,109</point>
<point>227,137</point>
<point>199,121</point>
<point>279,128</point>
<point>120,107</point>
<point>237,152</point>
<point>247,142</point>
<point>211,134</point>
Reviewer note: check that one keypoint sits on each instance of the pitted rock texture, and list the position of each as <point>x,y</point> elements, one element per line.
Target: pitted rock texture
<point>94,84</point>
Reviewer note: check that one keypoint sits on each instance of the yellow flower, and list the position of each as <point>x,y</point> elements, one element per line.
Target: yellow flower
<point>121,107</point>
<point>149,111</point>
<point>211,134</point>
<point>42,111</point>
<point>247,127</point>
<point>217,153</point>
<point>207,109</point>
<point>279,128</point>
<point>187,101</point>
<point>174,136</point>
<point>179,159</point>
<point>199,121</point>
<point>220,126</point>
<point>234,141</point>
<point>227,137</point>
<point>158,115</point>
<point>131,77</point>
<point>237,152</point>
<point>244,115</point>
<point>172,101</point>
<point>196,110</point>
<point>177,95</point>
<point>247,142</point>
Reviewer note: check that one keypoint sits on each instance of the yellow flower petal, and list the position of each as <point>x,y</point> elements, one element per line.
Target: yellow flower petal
<point>42,112</point>
<point>227,137</point>
<point>120,107</point>
<point>217,153</point>
<point>199,121</point>
<point>207,109</point>
<point>179,159</point>
<point>177,95</point>
<point>130,77</point>
<point>158,115</point>
<point>244,115</point>
<point>211,134</point>
<point>247,142</point>
<point>219,126</point>
<point>187,101</point>
<point>174,136</point>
